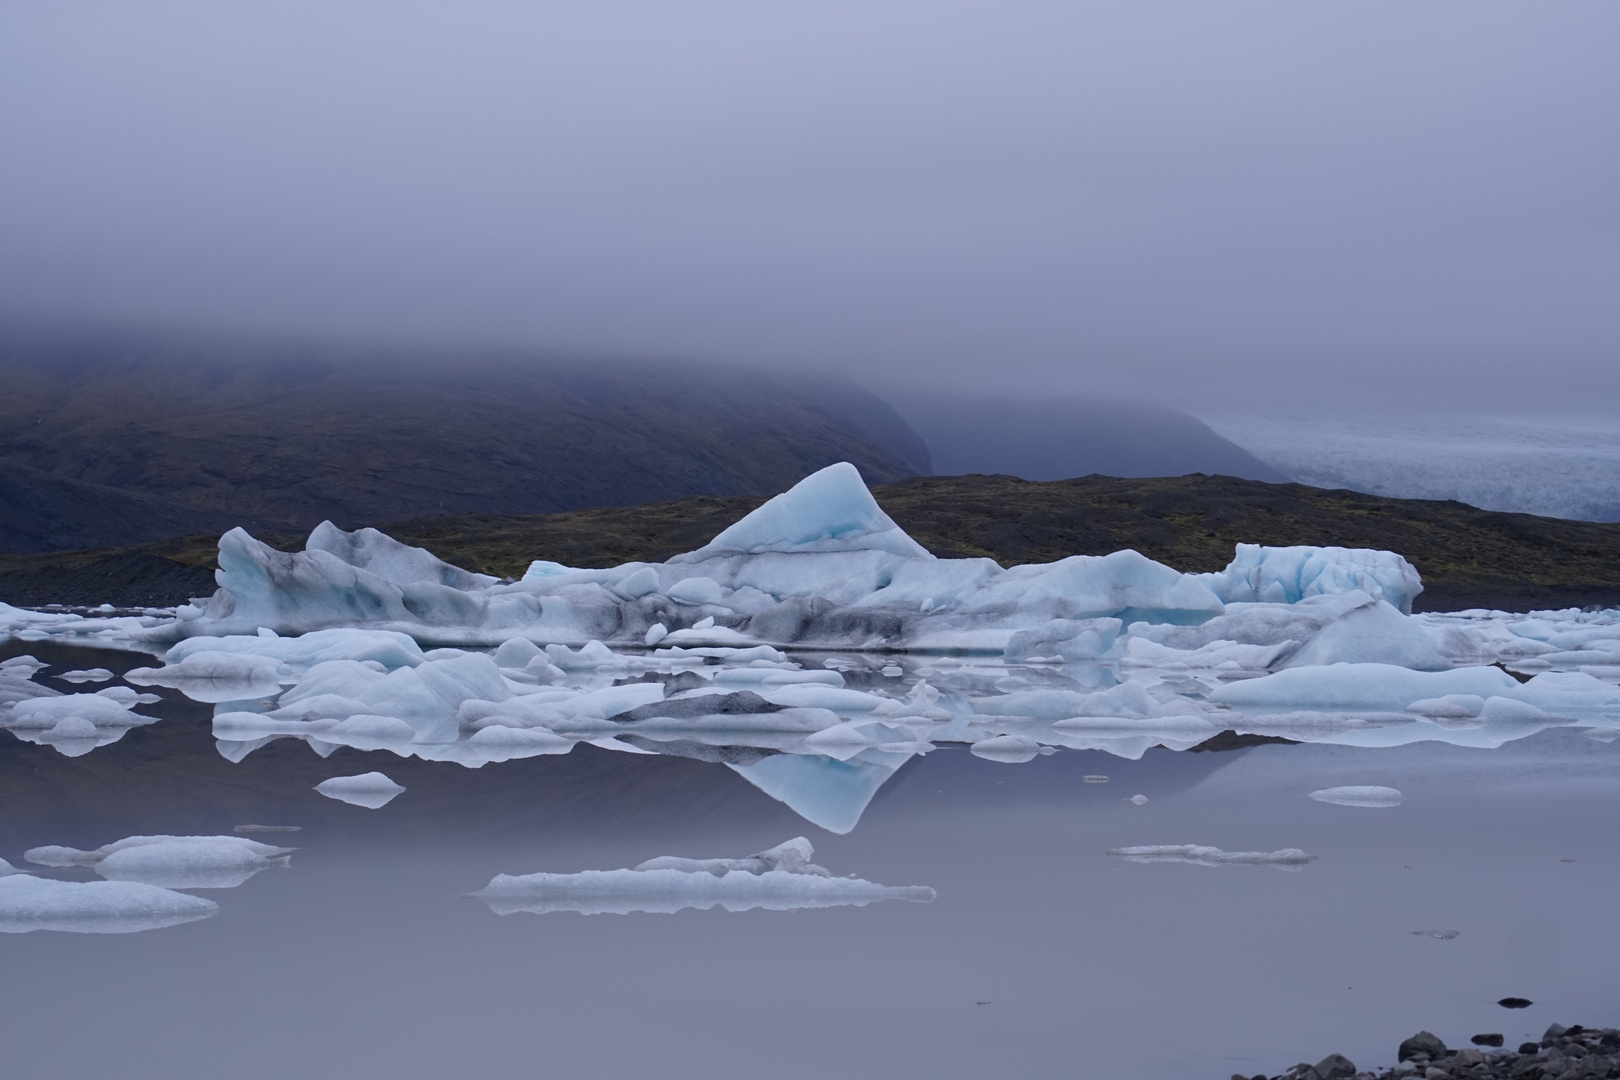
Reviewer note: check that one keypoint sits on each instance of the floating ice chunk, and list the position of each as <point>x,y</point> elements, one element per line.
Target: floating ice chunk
<point>1359,795</point>
<point>1449,707</point>
<point>1070,639</point>
<point>74,724</point>
<point>1289,574</point>
<point>1138,800</point>
<point>1285,859</point>
<point>779,879</point>
<point>83,675</point>
<point>498,742</point>
<point>19,688</point>
<point>215,676</point>
<point>621,892</point>
<point>185,862</point>
<point>1360,686</point>
<point>655,633</point>
<point>371,790</point>
<point>696,590</point>
<point>389,648</point>
<point>791,857</point>
<point>540,569</point>
<point>30,903</point>
<point>6,869</point>
<point>1373,634</point>
<point>1438,935</point>
<point>1009,749</point>
<point>590,657</point>
<point>22,667</point>
<point>830,510</point>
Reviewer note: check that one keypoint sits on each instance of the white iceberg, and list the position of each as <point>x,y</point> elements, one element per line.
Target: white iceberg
<point>371,790</point>
<point>172,862</point>
<point>1198,855</point>
<point>779,879</point>
<point>30,903</point>
<point>1367,795</point>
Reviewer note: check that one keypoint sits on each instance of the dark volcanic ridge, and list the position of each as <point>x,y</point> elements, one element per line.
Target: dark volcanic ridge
<point>1468,557</point>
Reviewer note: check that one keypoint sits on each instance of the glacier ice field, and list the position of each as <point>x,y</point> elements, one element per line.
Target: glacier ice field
<point>818,653</point>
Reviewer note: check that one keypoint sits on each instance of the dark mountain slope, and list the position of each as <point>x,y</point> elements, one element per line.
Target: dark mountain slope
<point>138,433</point>
<point>1468,557</point>
<point>1062,438</point>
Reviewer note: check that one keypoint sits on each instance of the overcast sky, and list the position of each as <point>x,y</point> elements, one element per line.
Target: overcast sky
<point>1206,204</point>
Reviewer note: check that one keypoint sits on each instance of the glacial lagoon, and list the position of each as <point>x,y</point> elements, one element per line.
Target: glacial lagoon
<point>316,826</point>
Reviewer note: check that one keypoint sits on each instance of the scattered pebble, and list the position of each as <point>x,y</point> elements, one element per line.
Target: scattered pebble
<point>1562,1052</point>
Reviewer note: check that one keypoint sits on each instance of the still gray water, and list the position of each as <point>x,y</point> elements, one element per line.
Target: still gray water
<point>1041,954</point>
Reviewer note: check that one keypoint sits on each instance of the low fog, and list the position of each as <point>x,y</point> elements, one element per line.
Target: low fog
<point>1244,207</point>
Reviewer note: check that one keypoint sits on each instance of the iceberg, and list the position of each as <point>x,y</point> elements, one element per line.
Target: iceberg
<point>171,862</point>
<point>371,790</point>
<point>1359,795</point>
<point>1290,574</point>
<point>1197,855</point>
<point>75,724</point>
<point>779,879</point>
<point>93,907</point>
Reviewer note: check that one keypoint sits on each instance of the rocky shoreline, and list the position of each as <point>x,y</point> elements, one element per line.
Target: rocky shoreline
<point>1572,1053</point>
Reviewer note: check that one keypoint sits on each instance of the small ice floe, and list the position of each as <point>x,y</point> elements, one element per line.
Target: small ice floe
<point>779,879</point>
<point>1369,795</point>
<point>1438,935</point>
<point>171,862</point>
<point>267,828</point>
<point>82,675</point>
<point>75,724</point>
<point>1285,859</point>
<point>1094,779</point>
<point>30,903</point>
<point>1137,799</point>
<point>1008,749</point>
<point>6,869</point>
<point>216,675</point>
<point>22,667</point>
<point>371,790</point>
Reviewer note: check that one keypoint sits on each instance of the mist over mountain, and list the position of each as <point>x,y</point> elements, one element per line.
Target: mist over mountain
<point>112,437</point>
<point>1063,438</point>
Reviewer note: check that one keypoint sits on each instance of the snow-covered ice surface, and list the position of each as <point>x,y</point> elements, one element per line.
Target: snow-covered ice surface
<point>1568,469</point>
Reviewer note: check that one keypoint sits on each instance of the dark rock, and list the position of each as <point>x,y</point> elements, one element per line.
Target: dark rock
<point>1553,1033</point>
<point>1493,1039</point>
<point>1529,1047</point>
<point>1424,1042</point>
<point>1335,1067</point>
<point>1515,1003</point>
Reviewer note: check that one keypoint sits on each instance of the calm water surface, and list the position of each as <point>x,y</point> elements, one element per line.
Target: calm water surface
<point>1041,956</point>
